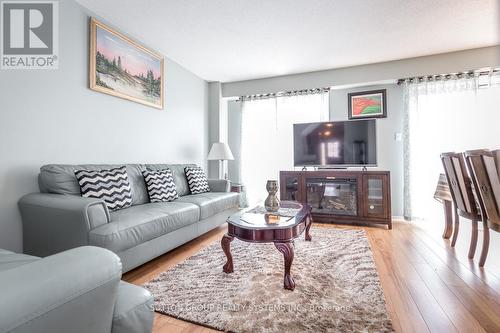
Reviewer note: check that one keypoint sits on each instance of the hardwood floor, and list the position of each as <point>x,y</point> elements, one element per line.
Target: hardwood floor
<point>428,286</point>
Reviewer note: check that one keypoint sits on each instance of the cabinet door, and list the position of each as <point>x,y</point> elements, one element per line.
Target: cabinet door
<point>291,186</point>
<point>375,196</point>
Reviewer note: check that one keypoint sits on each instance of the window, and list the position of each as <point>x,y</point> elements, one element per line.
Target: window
<point>267,137</point>
<point>445,116</point>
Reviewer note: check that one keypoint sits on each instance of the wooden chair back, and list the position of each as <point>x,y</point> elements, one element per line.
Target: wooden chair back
<point>460,184</point>
<point>486,180</point>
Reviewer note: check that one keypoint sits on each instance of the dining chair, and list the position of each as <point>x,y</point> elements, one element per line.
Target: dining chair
<point>485,167</point>
<point>443,195</point>
<point>464,203</point>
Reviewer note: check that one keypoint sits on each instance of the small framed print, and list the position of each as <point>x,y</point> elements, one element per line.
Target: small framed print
<point>367,104</point>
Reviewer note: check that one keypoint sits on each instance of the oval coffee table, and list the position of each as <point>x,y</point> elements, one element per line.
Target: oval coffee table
<point>267,228</point>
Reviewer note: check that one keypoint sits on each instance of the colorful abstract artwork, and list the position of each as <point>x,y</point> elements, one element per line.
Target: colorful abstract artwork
<point>124,68</point>
<point>367,104</point>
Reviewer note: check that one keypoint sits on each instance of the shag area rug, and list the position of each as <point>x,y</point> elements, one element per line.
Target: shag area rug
<point>337,287</point>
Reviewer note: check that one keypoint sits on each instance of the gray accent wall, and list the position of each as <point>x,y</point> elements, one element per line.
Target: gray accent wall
<point>214,106</point>
<point>50,116</point>
<point>234,139</point>
<point>389,151</point>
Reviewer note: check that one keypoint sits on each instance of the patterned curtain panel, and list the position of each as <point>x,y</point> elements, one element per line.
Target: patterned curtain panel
<point>447,115</point>
<point>267,136</point>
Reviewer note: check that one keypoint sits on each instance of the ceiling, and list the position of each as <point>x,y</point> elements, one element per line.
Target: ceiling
<point>232,40</point>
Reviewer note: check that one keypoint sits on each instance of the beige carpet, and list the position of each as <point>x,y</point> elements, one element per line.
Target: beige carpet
<point>337,287</point>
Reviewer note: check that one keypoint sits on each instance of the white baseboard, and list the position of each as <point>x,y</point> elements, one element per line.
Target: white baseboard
<point>398,218</point>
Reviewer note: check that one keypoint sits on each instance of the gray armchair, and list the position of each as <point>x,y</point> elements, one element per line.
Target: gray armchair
<point>78,290</point>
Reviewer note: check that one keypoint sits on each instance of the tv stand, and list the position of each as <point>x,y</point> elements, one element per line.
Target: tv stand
<point>341,196</point>
<point>331,168</point>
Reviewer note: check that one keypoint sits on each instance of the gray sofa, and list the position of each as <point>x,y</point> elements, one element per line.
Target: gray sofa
<point>58,218</point>
<point>76,291</point>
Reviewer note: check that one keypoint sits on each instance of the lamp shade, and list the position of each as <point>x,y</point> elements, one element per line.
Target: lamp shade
<point>220,151</point>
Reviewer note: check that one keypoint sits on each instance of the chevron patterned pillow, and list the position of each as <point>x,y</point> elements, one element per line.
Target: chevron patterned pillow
<point>111,185</point>
<point>161,186</point>
<point>197,180</point>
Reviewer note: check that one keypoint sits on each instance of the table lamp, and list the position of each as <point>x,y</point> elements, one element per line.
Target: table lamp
<point>220,152</point>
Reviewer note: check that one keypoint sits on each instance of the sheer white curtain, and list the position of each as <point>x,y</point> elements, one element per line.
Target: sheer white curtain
<point>442,116</point>
<point>267,137</point>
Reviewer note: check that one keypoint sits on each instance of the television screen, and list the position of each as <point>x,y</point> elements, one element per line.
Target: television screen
<point>339,143</point>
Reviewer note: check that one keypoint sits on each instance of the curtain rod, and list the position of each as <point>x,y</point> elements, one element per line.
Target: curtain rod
<point>284,94</point>
<point>440,77</point>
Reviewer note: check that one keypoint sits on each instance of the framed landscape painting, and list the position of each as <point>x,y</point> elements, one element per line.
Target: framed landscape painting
<point>367,104</point>
<point>123,68</point>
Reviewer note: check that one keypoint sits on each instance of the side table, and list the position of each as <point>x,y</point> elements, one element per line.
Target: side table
<point>240,189</point>
<point>235,187</point>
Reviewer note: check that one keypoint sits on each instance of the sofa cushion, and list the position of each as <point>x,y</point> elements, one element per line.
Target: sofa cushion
<point>110,185</point>
<point>160,184</point>
<point>212,203</point>
<point>61,179</point>
<point>138,224</point>
<point>197,180</point>
<point>178,172</point>
<point>10,260</point>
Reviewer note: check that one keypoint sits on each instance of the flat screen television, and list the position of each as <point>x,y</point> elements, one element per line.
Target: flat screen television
<point>335,143</point>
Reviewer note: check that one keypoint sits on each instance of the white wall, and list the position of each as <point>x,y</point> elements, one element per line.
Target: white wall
<point>372,76</point>
<point>374,73</point>
<point>52,117</point>
<point>389,151</point>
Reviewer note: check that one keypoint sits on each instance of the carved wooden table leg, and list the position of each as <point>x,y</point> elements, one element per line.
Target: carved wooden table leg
<point>448,218</point>
<point>287,250</point>
<point>226,247</point>
<point>308,227</point>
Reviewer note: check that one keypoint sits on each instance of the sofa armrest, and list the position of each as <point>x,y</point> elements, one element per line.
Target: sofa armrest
<point>219,185</point>
<point>73,291</point>
<point>134,310</point>
<point>53,222</point>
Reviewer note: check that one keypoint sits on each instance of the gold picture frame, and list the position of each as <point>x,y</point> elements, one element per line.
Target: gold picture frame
<point>139,77</point>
